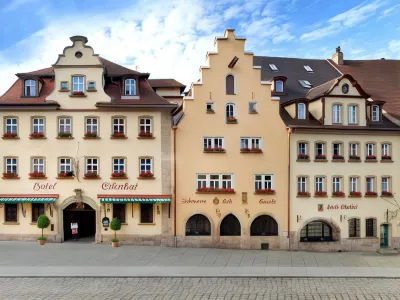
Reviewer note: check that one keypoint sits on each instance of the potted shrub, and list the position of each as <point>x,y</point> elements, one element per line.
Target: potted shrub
<point>78,93</point>
<point>338,194</point>
<point>37,174</point>
<point>387,193</point>
<point>219,149</point>
<point>337,156</point>
<point>91,134</point>
<point>37,135</point>
<point>209,149</point>
<point>303,156</point>
<point>145,134</point>
<point>265,191</point>
<point>118,134</point>
<point>371,157</point>
<point>91,174</point>
<point>320,193</point>
<point>118,174</point>
<point>231,119</point>
<point>10,175</point>
<point>146,174</point>
<point>245,149</point>
<point>256,149</point>
<point>371,193</point>
<point>62,134</point>
<point>355,193</point>
<point>386,157</point>
<point>42,223</point>
<point>66,174</point>
<point>320,156</point>
<point>304,194</point>
<point>115,225</point>
<point>10,135</point>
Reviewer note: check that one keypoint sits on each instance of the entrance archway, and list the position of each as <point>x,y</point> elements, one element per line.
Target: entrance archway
<point>85,217</point>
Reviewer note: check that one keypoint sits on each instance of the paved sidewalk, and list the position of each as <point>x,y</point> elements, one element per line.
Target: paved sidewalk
<point>91,260</point>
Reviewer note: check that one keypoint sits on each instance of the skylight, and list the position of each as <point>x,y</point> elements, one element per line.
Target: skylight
<point>273,67</point>
<point>305,84</point>
<point>308,69</point>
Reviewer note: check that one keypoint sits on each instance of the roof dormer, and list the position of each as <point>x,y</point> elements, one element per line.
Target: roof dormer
<point>279,85</point>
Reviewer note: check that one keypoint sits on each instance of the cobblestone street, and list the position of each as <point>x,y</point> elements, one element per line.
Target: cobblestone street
<point>199,288</point>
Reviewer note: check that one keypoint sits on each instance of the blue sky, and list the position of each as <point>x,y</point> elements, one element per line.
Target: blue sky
<point>170,38</point>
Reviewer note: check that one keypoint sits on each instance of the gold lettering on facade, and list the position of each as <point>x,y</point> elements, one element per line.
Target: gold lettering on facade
<point>216,201</point>
<point>193,201</point>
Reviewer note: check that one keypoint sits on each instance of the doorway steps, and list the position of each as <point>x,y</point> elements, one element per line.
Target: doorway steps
<point>388,251</point>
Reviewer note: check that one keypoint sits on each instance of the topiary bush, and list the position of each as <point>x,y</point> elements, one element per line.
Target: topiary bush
<point>42,223</point>
<point>115,225</point>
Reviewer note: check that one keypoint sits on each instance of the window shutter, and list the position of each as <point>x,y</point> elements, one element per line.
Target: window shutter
<point>230,85</point>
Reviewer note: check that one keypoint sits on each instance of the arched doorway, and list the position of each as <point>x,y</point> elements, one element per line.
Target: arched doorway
<point>230,226</point>
<point>85,216</point>
<point>316,231</point>
<point>198,225</point>
<point>264,226</point>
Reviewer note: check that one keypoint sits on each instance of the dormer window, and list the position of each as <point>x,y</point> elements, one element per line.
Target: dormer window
<point>30,88</point>
<point>279,86</point>
<point>375,113</point>
<point>130,87</point>
<point>337,114</point>
<point>78,84</point>
<point>301,111</point>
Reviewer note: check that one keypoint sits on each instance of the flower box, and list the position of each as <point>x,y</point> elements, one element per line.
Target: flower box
<point>37,174</point>
<point>338,157</point>
<point>387,194</point>
<point>91,135</point>
<point>78,93</point>
<point>10,135</point>
<point>320,193</point>
<point>354,157</point>
<point>215,190</point>
<point>146,174</point>
<point>255,149</point>
<point>37,135</point>
<point>210,149</point>
<point>120,174</point>
<point>118,135</point>
<point>303,156</point>
<point>64,134</point>
<point>144,134</point>
<point>320,156</point>
<point>386,157</point>
<point>370,157</point>
<point>231,120</point>
<point>371,193</point>
<point>66,174</point>
<point>91,174</point>
<point>10,175</point>
<point>338,194</point>
<point>303,194</point>
<point>354,193</point>
<point>265,191</point>
<point>245,150</point>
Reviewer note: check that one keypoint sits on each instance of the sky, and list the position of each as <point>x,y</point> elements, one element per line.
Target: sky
<point>170,38</point>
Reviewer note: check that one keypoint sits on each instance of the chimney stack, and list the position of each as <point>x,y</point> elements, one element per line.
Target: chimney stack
<point>338,56</point>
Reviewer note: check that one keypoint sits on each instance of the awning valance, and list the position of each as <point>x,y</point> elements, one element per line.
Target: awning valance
<point>28,200</point>
<point>135,200</point>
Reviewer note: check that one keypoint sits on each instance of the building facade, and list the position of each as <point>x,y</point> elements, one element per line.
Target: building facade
<point>85,141</point>
<point>231,156</point>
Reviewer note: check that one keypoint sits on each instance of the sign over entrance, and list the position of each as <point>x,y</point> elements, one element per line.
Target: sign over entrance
<point>106,222</point>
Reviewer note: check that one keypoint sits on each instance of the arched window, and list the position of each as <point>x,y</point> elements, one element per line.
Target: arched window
<point>279,86</point>
<point>264,226</point>
<point>230,110</point>
<point>230,226</point>
<point>130,87</point>
<point>301,111</point>
<point>337,114</point>
<point>198,225</point>
<point>30,87</point>
<point>230,85</point>
<point>316,231</point>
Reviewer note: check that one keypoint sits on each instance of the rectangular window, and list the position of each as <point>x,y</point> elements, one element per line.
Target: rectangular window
<point>302,148</point>
<point>370,149</point>
<point>11,212</point>
<point>319,149</point>
<point>213,143</point>
<point>30,88</point>
<point>145,125</point>
<point>11,125</point>
<point>118,165</point>
<point>353,184</point>
<point>215,181</point>
<point>38,125</point>
<point>370,227</point>
<point>385,184</point>
<point>146,213</point>
<point>250,143</point>
<point>11,165</point>
<point>119,211</point>
<point>336,117</point>
<point>92,126</point>
<point>92,85</point>
<point>92,165</point>
<point>118,125</point>
<point>375,113</point>
<point>337,149</point>
<point>78,84</point>
<point>301,184</point>
<point>252,107</point>
<point>65,166</point>
<point>201,181</point>
<point>336,184</point>
<point>370,184</point>
<point>354,228</point>
<point>37,210</point>
<point>352,114</point>
<point>263,182</point>
<point>37,165</point>
<point>64,85</point>
<point>210,107</point>
<point>319,184</point>
<point>146,165</point>
<point>308,69</point>
<point>386,150</point>
<point>64,125</point>
<point>353,149</point>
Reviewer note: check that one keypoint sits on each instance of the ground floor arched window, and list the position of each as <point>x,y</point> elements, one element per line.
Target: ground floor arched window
<point>230,226</point>
<point>198,225</point>
<point>264,226</point>
<point>316,231</point>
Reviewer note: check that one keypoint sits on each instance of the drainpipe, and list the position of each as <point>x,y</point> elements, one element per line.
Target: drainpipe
<point>289,186</point>
<point>174,128</point>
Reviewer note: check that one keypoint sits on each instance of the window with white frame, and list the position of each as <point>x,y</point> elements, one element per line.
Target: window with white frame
<point>145,125</point>
<point>64,125</point>
<point>11,165</point>
<point>250,143</point>
<point>320,184</point>
<point>301,111</point>
<point>230,110</point>
<point>252,107</point>
<point>301,184</point>
<point>30,88</point>
<point>118,125</point>
<point>370,184</point>
<point>385,150</point>
<point>118,165</point>
<point>370,151</point>
<point>92,125</point>
<point>37,125</point>
<point>336,184</point>
<point>337,149</point>
<point>375,114</point>
<point>65,165</point>
<point>353,114</point>
<point>353,149</point>
<point>92,165</point>
<point>385,184</point>
<point>78,84</point>
<point>146,165</point>
<point>279,86</point>
<point>353,184</point>
<point>262,182</point>
<point>336,114</point>
<point>217,181</point>
<point>37,165</point>
<point>319,149</point>
<point>213,143</point>
<point>130,87</point>
<point>210,107</point>
<point>302,148</point>
<point>11,125</point>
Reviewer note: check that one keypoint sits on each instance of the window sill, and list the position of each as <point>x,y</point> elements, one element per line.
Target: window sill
<point>254,152</point>
<point>338,160</point>
<point>231,122</point>
<point>303,160</point>
<point>64,91</point>
<point>253,112</point>
<point>320,160</point>
<point>210,112</point>
<point>120,178</point>
<point>92,138</point>
<point>342,196</point>
<point>147,224</point>
<point>371,160</point>
<point>66,178</point>
<point>92,178</point>
<point>33,223</point>
<point>65,138</point>
<point>146,178</point>
<point>303,196</point>
<point>354,196</point>
<point>10,138</point>
<point>118,138</point>
<point>320,196</point>
<point>386,161</point>
<point>214,151</point>
<point>354,160</point>
<point>214,192</point>
<point>91,90</point>
<point>371,196</point>
<point>78,96</point>
<point>262,194</point>
<point>37,178</point>
<point>10,178</point>
<point>11,223</point>
<point>145,137</point>
<point>38,138</point>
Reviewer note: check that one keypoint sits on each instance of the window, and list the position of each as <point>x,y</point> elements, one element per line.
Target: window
<point>354,227</point>
<point>230,110</point>
<point>130,87</point>
<point>336,117</point>
<point>145,125</point>
<point>302,148</point>
<point>213,143</point>
<point>319,184</point>
<point>386,184</point>
<point>370,227</point>
<point>65,166</point>
<point>316,231</point>
<point>210,107</point>
<point>64,125</point>
<point>11,125</point>
<point>279,86</point>
<point>252,107</point>
<point>146,213</point>
<point>250,143</point>
<point>118,125</point>
<point>352,114</point>
<point>336,184</point>
<point>37,165</point>
<point>337,149</point>
<point>375,113</point>
<point>78,84</point>
<point>92,165</point>
<point>92,85</point>
<point>319,150</point>
<point>302,184</point>
<point>370,184</point>
<point>118,165</point>
<point>353,184</point>
<point>119,211</point>
<point>301,111</point>
<point>11,212</point>
<point>11,165</point>
<point>37,125</point>
<point>146,165</point>
<point>262,182</point>
<point>308,69</point>
<point>198,225</point>
<point>230,85</point>
<point>305,84</point>
<point>30,88</point>
<point>354,149</point>
<point>370,149</point>
<point>264,226</point>
<point>64,85</point>
<point>230,226</point>
<point>216,181</point>
<point>92,125</point>
<point>386,150</point>
<point>273,67</point>
<point>37,210</point>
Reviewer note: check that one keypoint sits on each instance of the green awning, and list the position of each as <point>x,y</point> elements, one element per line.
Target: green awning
<point>135,200</point>
<point>28,200</point>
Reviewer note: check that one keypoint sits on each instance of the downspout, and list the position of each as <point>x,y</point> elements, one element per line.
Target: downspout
<point>174,128</point>
<point>289,186</point>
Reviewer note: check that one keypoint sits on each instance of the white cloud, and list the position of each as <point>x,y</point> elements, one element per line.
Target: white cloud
<point>388,12</point>
<point>394,46</point>
<point>232,12</point>
<point>345,20</point>
<point>14,4</point>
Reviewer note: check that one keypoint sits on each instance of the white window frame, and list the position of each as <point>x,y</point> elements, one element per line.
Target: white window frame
<point>251,142</point>
<point>320,184</point>
<point>386,149</point>
<point>38,125</point>
<point>273,67</point>
<point>213,142</point>
<point>385,184</point>
<point>211,104</point>
<point>147,126</point>
<point>375,113</point>
<point>370,181</point>
<point>12,164</point>
<point>147,163</point>
<point>130,87</point>
<point>11,123</point>
<point>339,148</point>
<point>336,184</point>
<point>301,184</point>
<point>230,110</point>
<point>117,165</point>
<point>78,84</point>
<point>337,114</point>
<point>354,146</point>
<point>218,182</point>
<point>62,122</point>
<point>119,124</point>
<point>280,85</point>
<point>308,69</point>
<point>263,181</point>
<point>352,114</point>
<point>94,127</point>
<point>255,106</point>
<point>32,85</point>
<point>300,148</point>
<point>370,149</point>
<point>37,164</point>
<point>301,111</point>
<point>65,166</point>
<point>92,164</point>
<point>319,148</point>
<point>353,184</point>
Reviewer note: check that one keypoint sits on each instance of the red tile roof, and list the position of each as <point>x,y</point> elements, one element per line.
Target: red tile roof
<point>159,83</point>
<point>13,95</point>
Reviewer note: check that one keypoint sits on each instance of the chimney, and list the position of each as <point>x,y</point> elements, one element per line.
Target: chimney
<point>338,56</point>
